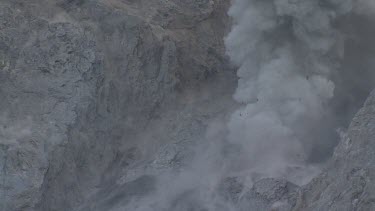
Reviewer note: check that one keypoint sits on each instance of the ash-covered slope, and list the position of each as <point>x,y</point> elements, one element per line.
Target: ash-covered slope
<point>91,87</point>
<point>113,105</point>
<point>348,181</point>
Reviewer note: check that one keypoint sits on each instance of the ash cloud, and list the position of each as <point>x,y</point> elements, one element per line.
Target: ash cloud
<point>302,75</point>
<point>304,69</point>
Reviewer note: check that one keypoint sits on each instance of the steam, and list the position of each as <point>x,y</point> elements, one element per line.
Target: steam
<point>287,53</point>
<point>296,76</point>
<point>304,69</point>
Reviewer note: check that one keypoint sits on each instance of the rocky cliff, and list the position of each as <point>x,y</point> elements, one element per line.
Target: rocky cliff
<point>84,84</point>
<point>347,182</point>
<point>106,104</point>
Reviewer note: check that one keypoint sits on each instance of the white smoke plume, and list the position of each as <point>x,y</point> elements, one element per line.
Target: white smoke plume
<point>304,69</point>
<point>290,55</point>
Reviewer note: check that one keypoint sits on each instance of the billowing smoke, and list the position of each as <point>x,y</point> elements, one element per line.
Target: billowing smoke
<point>299,80</point>
<point>287,52</point>
<point>304,68</point>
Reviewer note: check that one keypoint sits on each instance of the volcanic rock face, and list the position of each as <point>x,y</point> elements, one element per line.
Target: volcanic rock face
<point>112,105</point>
<point>86,85</point>
<point>347,183</point>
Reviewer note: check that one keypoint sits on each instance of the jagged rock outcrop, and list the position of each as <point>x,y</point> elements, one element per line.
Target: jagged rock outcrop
<point>100,96</point>
<point>269,194</point>
<point>49,74</point>
<point>85,83</point>
<point>347,182</point>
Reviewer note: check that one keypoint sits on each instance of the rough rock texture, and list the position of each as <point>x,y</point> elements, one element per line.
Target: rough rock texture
<point>348,182</point>
<point>84,83</point>
<point>269,194</point>
<point>48,76</point>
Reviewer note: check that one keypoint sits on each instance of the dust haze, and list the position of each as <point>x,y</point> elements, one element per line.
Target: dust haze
<point>304,69</point>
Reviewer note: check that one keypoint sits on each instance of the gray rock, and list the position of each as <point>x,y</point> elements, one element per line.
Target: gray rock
<point>49,74</point>
<point>269,194</point>
<point>346,184</point>
<point>99,96</point>
<point>85,84</point>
